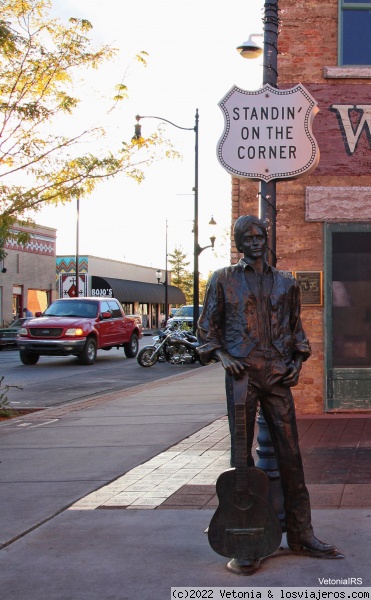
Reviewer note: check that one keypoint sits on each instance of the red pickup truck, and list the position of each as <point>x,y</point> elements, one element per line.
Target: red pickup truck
<point>78,326</point>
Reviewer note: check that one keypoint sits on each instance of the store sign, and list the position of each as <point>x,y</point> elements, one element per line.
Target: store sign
<point>68,287</point>
<point>101,288</point>
<point>102,292</point>
<point>268,133</point>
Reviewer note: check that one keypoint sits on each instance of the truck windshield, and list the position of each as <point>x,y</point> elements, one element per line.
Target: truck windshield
<point>64,308</point>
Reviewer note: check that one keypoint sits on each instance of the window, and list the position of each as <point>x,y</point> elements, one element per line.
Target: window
<point>354,32</point>
<point>115,309</point>
<point>351,293</point>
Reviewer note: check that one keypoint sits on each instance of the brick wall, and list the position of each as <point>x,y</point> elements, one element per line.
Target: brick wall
<point>307,43</point>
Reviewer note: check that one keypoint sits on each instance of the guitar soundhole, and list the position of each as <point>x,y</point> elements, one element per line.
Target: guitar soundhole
<point>243,501</point>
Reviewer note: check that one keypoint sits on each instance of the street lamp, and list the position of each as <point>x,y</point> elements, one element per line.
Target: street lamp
<point>196,247</point>
<point>250,49</point>
<point>196,287</point>
<point>165,282</point>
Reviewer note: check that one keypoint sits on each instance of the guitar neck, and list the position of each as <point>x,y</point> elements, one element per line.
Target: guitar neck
<point>241,448</point>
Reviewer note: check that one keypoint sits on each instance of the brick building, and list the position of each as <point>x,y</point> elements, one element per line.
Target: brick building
<point>324,219</point>
<point>28,273</point>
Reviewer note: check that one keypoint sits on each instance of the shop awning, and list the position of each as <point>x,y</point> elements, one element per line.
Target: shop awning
<point>136,291</point>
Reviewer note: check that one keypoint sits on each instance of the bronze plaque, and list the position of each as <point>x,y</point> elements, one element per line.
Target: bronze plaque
<point>310,283</point>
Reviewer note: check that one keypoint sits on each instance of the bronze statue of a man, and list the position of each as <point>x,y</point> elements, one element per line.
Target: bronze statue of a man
<point>251,323</point>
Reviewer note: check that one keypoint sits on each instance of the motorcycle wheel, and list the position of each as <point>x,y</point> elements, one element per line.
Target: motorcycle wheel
<point>147,357</point>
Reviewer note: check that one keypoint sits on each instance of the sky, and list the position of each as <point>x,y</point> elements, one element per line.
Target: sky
<point>192,64</point>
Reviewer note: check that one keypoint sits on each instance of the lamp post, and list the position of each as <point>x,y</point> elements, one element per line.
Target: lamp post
<point>196,251</point>
<point>196,247</point>
<point>77,258</point>
<point>164,283</point>
<point>267,213</point>
<point>196,287</point>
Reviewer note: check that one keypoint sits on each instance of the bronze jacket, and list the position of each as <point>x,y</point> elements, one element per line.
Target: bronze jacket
<point>229,316</point>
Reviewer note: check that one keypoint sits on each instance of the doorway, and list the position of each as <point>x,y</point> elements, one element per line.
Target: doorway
<point>348,316</point>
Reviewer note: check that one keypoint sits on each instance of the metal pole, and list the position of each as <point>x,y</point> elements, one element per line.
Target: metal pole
<point>77,246</point>
<point>267,212</point>
<point>166,282</point>
<point>195,231</point>
<point>267,190</point>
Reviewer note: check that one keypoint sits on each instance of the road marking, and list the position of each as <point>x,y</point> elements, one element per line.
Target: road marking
<point>45,423</point>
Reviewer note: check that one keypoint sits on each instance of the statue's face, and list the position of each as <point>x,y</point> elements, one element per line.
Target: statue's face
<point>253,244</point>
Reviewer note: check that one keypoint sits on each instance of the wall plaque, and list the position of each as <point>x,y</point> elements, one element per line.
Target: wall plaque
<point>310,283</point>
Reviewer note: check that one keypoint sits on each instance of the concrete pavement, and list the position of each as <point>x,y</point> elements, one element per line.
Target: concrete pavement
<point>100,498</point>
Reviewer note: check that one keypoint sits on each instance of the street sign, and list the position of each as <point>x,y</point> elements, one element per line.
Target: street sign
<point>268,133</point>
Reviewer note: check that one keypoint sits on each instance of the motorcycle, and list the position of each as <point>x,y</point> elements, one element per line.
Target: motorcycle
<point>175,347</point>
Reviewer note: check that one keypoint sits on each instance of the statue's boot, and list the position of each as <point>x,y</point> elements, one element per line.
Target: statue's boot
<point>312,546</point>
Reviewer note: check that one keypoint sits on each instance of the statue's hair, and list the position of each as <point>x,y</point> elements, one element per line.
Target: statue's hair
<point>245,223</point>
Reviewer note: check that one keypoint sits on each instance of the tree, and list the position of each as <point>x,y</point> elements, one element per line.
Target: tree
<point>40,61</point>
<point>202,287</point>
<point>180,276</point>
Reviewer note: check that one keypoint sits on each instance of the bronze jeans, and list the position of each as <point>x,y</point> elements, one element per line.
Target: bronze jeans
<point>265,371</point>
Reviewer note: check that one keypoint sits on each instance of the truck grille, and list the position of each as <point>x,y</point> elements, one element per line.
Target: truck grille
<point>45,332</point>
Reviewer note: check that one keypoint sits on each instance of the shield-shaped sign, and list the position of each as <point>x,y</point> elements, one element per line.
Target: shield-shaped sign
<point>268,133</point>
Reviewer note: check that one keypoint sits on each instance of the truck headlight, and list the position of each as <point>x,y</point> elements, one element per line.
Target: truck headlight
<point>22,331</point>
<point>75,331</point>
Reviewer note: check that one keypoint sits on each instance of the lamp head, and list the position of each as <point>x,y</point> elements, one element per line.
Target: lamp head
<point>250,49</point>
<point>158,275</point>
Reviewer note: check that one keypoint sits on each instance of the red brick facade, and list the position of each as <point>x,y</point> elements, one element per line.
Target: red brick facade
<point>307,46</point>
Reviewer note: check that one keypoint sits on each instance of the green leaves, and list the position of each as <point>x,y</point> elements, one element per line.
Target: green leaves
<point>122,92</point>
<point>40,63</point>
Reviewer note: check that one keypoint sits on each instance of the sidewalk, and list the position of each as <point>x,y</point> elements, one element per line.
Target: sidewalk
<point>100,499</point>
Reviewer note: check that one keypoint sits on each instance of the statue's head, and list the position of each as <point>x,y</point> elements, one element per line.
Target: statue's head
<point>244,224</point>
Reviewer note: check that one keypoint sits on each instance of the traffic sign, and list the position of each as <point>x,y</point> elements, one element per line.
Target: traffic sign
<point>268,133</point>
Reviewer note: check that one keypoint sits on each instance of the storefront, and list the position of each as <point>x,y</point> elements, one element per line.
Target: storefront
<point>133,285</point>
<point>145,299</point>
<point>27,278</point>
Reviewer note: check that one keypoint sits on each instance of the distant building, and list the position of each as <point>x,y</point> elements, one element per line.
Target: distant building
<point>31,276</point>
<point>135,286</point>
<point>27,276</point>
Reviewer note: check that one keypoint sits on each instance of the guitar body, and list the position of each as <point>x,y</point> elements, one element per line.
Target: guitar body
<point>244,525</point>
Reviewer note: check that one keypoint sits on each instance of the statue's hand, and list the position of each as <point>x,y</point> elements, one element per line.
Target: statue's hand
<point>291,377</point>
<point>232,365</point>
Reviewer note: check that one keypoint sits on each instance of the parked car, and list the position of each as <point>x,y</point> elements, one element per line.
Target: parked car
<point>183,317</point>
<point>8,335</point>
<point>79,327</point>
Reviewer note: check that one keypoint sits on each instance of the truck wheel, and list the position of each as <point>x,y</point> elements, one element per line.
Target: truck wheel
<point>28,358</point>
<point>89,353</point>
<point>147,357</point>
<point>131,349</point>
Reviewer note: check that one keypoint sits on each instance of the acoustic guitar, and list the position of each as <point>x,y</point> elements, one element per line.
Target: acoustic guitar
<point>244,525</point>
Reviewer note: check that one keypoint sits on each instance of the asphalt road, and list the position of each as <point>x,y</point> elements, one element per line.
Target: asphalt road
<point>53,381</point>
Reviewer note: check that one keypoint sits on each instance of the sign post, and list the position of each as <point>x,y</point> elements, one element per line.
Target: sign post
<point>268,137</point>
